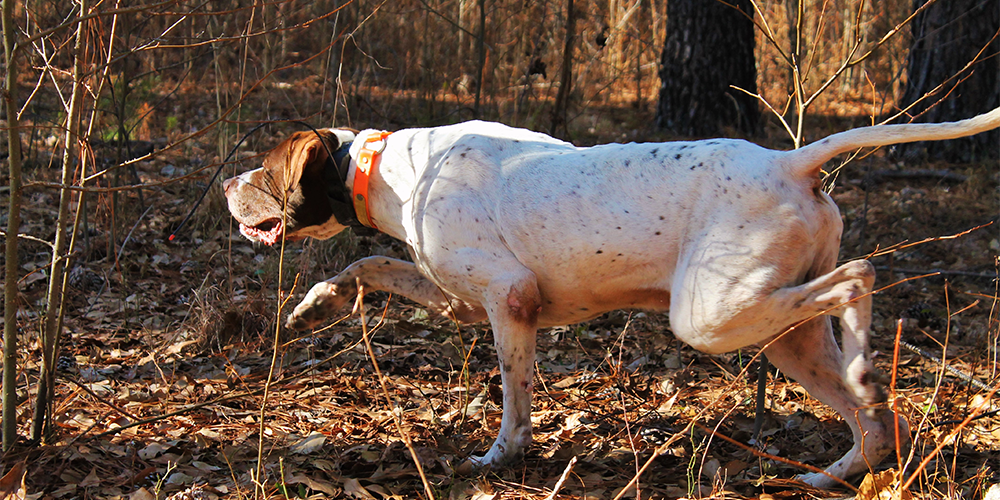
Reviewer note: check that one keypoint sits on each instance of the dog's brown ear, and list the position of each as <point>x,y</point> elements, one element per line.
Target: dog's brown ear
<point>304,149</point>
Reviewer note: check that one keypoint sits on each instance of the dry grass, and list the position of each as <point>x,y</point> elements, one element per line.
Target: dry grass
<point>181,336</point>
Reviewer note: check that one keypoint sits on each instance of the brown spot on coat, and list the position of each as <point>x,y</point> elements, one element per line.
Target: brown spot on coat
<point>524,302</point>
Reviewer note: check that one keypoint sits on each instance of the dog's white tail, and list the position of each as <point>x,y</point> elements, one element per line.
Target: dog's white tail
<point>807,161</point>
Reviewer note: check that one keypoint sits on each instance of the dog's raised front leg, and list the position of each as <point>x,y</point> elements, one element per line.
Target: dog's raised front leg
<point>513,302</point>
<point>378,273</point>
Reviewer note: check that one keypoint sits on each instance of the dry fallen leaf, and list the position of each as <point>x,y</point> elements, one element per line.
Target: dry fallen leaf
<point>12,483</point>
<point>313,484</point>
<point>153,450</point>
<point>882,486</point>
<point>308,444</point>
<point>92,479</point>
<point>354,489</point>
<point>142,494</point>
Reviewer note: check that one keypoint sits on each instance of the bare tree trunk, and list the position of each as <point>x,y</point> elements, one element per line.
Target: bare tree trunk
<point>52,326</point>
<point>462,36</point>
<point>794,40</point>
<point>13,228</point>
<point>709,46</point>
<point>481,49</point>
<point>946,37</point>
<point>566,77</point>
<point>642,23</point>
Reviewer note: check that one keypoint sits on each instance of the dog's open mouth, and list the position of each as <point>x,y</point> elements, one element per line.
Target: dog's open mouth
<point>267,232</point>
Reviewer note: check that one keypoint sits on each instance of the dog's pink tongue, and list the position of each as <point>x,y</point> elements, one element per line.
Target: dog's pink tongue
<point>266,237</point>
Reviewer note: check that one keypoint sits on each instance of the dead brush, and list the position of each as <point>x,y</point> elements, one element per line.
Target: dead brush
<point>220,322</point>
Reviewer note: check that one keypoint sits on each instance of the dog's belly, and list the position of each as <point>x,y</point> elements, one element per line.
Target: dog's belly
<point>558,310</point>
<point>575,290</point>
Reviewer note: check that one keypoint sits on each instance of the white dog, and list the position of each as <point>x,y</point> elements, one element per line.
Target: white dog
<point>739,242</point>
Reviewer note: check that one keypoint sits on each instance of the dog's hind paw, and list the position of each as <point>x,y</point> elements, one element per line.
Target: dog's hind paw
<point>322,301</point>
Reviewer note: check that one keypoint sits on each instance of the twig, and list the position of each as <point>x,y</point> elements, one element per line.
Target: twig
<point>28,237</point>
<point>181,411</point>
<point>779,116</point>
<point>964,377</point>
<point>562,479</point>
<point>69,444</point>
<point>934,272</point>
<point>222,399</point>
<point>848,62</point>
<point>109,404</point>
<point>631,443</point>
<point>917,174</point>
<point>118,257</point>
<point>659,451</point>
<point>128,236</point>
<point>892,390</point>
<point>903,244</point>
<point>663,447</point>
<point>776,458</point>
<point>988,414</point>
<point>259,491</point>
<point>77,20</point>
<point>949,439</point>
<point>940,86</point>
<point>223,118</point>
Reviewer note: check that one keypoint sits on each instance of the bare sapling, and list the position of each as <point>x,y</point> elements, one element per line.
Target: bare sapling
<point>802,98</point>
<point>11,301</point>
<point>56,296</point>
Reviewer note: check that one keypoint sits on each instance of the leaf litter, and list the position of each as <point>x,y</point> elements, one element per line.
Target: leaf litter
<point>162,378</point>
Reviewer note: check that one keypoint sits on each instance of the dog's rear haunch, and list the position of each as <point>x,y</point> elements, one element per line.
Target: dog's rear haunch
<point>738,242</point>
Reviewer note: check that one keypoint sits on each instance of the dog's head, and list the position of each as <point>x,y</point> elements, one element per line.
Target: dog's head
<point>290,194</point>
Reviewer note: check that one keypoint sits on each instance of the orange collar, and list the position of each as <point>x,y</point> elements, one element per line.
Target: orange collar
<point>366,164</point>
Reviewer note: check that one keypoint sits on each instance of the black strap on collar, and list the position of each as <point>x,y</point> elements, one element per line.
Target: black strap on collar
<point>337,166</point>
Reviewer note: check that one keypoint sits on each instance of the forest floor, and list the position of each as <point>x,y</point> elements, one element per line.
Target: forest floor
<point>169,349</point>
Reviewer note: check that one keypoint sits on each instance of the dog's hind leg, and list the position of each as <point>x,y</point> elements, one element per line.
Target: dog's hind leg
<point>748,312</point>
<point>809,354</point>
<point>737,312</point>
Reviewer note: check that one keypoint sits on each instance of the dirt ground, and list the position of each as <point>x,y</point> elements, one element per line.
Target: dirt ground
<point>164,384</point>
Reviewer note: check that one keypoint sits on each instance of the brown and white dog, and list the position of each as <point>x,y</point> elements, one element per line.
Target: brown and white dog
<point>739,242</point>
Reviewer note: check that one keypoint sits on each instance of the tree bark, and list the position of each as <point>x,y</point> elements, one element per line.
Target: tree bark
<point>946,37</point>
<point>708,47</point>
<point>566,74</point>
<point>481,50</point>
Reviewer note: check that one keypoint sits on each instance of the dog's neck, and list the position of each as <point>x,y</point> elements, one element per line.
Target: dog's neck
<point>336,187</point>
<point>384,202</point>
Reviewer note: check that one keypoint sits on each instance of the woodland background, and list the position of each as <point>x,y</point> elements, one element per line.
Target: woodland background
<point>145,367</point>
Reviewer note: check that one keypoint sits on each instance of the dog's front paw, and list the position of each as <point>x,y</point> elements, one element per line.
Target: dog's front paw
<point>472,465</point>
<point>818,480</point>
<point>322,301</point>
<point>498,456</point>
